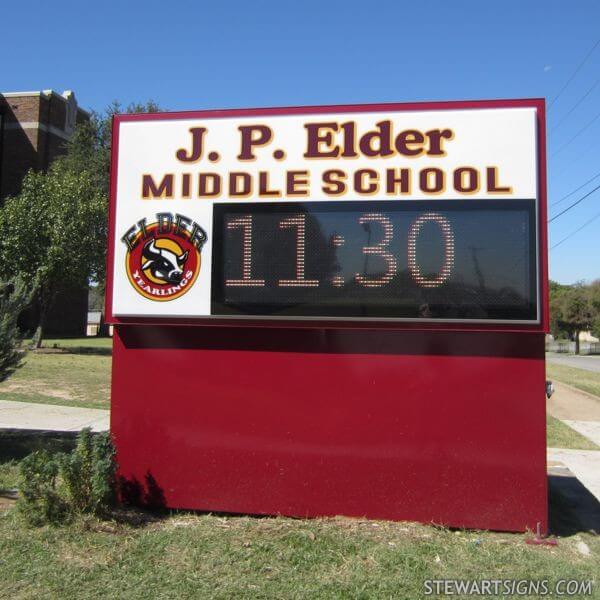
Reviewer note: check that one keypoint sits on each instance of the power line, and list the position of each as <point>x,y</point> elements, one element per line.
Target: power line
<point>577,156</point>
<point>576,105</point>
<point>564,87</point>
<point>574,204</point>
<point>576,135</point>
<point>576,231</point>
<point>575,190</point>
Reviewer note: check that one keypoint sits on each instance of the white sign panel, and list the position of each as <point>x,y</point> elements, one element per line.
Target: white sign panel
<point>367,214</point>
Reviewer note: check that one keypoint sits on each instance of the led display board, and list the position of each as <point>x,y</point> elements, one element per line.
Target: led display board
<point>347,214</point>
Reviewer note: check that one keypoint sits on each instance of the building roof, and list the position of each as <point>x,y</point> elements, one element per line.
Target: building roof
<point>46,94</point>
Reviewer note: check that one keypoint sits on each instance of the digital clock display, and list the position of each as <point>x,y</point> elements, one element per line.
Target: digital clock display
<point>434,260</point>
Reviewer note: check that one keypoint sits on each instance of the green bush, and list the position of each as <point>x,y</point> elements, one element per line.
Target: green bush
<point>53,488</point>
<point>40,501</point>
<point>89,473</point>
<point>14,297</point>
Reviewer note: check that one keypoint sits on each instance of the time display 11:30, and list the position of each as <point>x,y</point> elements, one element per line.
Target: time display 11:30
<point>378,246</point>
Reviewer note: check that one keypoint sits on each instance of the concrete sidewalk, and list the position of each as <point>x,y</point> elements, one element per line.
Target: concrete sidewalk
<point>589,429</point>
<point>580,411</point>
<point>569,403</point>
<point>49,417</point>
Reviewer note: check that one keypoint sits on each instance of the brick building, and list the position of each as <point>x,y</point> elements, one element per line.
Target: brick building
<point>34,127</point>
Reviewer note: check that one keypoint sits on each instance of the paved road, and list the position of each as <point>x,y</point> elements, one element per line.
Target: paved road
<point>588,363</point>
<point>49,417</point>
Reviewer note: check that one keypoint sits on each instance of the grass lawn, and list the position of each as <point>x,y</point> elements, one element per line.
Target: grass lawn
<point>61,378</point>
<point>205,556</point>
<point>588,381</point>
<point>560,435</point>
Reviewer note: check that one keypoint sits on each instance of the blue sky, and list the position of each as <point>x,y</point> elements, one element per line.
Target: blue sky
<point>192,55</point>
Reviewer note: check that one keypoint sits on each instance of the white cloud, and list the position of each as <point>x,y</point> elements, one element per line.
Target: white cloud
<point>547,68</point>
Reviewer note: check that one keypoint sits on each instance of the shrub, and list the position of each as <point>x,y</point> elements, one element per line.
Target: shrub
<point>55,487</point>
<point>89,473</point>
<point>40,501</point>
<point>103,474</point>
<point>14,296</point>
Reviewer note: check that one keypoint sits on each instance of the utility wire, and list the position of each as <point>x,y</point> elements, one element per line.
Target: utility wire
<point>574,204</point>
<point>576,231</point>
<point>577,156</point>
<point>576,135</point>
<point>576,105</point>
<point>564,87</point>
<point>575,190</point>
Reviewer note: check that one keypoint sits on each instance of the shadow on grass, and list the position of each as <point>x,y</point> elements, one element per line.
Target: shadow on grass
<point>89,350</point>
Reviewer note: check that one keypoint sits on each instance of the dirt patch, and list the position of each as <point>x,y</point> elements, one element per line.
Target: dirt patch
<point>36,387</point>
<point>89,559</point>
<point>8,499</point>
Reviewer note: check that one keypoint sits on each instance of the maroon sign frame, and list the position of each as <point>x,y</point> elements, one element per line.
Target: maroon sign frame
<point>439,423</point>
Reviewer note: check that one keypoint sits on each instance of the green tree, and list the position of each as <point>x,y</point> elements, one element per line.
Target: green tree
<point>90,145</point>
<point>14,297</point>
<point>556,305</point>
<point>595,301</point>
<point>54,234</point>
<point>576,311</point>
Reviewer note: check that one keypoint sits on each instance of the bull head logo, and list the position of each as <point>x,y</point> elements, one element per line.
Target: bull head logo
<point>164,264</point>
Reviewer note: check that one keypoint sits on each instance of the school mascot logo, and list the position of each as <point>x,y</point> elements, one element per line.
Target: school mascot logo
<point>164,257</point>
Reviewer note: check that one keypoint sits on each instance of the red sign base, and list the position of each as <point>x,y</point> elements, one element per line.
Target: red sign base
<point>442,427</point>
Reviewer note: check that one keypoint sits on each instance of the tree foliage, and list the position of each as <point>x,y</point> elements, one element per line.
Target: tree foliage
<point>595,301</point>
<point>557,291</point>
<point>54,233</point>
<point>89,147</point>
<point>14,297</point>
<point>574,309</point>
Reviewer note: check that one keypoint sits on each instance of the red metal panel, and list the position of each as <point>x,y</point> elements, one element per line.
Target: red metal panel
<point>447,427</point>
